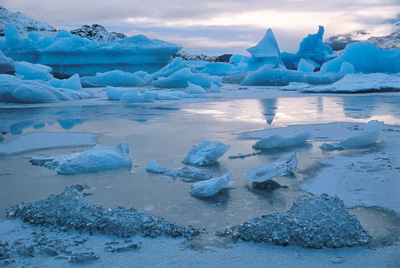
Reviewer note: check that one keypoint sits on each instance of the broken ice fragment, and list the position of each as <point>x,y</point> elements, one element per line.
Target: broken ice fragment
<point>369,136</point>
<point>206,153</point>
<point>99,158</point>
<point>212,186</point>
<point>262,173</point>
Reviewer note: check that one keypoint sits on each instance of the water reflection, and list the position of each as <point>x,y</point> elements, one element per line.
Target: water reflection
<point>269,106</point>
<point>16,120</point>
<point>275,112</point>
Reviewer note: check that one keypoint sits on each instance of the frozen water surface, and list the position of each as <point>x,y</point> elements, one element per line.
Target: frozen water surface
<point>165,132</point>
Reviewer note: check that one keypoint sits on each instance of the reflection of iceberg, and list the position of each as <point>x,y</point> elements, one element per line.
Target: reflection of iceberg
<point>70,123</point>
<point>270,107</point>
<point>360,107</point>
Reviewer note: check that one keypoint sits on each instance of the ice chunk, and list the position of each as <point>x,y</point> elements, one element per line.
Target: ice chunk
<point>32,71</point>
<point>195,89</point>
<point>70,210</point>
<point>113,78</point>
<point>13,89</point>
<point>185,75</point>
<point>155,168</point>
<point>366,58</point>
<point>283,166</point>
<point>312,49</point>
<point>304,66</point>
<point>194,174</point>
<point>206,153</point>
<point>6,64</point>
<point>116,93</point>
<point>99,158</point>
<point>211,187</point>
<point>369,136</point>
<point>312,222</point>
<point>73,83</point>
<point>277,141</point>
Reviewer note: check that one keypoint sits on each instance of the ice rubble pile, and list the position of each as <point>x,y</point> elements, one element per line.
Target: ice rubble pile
<point>99,158</point>
<point>207,188</point>
<point>369,136</point>
<point>261,174</point>
<point>68,54</point>
<point>206,153</point>
<point>312,222</point>
<point>71,211</point>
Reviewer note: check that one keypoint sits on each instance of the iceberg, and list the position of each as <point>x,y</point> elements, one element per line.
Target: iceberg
<point>262,173</point>
<point>14,89</point>
<point>68,54</point>
<point>203,189</point>
<point>312,49</point>
<point>277,141</point>
<point>312,222</point>
<point>6,64</point>
<point>114,78</point>
<point>366,58</point>
<point>368,137</point>
<point>100,158</point>
<point>206,153</point>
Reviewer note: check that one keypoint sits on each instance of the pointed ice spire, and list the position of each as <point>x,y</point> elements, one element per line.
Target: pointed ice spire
<point>266,48</point>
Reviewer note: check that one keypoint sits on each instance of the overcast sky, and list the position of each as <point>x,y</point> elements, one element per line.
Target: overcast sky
<point>217,26</point>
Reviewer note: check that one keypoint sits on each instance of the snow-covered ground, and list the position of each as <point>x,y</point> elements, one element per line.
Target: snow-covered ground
<point>164,131</point>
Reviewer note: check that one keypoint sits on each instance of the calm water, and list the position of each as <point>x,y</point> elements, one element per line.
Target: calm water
<point>165,134</point>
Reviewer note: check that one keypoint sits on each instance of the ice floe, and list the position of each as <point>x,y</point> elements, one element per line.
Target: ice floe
<point>206,153</point>
<point>312,222</point>
<point>99,158</point>
<point>40,141</point>
<point>207,188</point>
